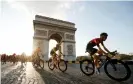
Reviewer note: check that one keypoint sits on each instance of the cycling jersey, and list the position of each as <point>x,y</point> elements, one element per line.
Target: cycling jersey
<point>53,50</point>
<point>91,44</point>
<point>95,42</point>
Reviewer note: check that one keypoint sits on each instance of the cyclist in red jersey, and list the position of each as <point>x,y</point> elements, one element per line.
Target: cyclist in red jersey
<point>96,42</point>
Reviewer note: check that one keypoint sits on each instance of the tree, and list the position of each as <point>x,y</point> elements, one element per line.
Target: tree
<point>80,58</point>
<point>126,57</point>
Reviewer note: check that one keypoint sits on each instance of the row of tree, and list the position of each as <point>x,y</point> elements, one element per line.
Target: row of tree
<point>120,56</point>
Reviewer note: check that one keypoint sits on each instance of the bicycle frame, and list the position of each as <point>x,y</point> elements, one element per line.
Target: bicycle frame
<point>109,63</point>
<point>57,58</point>
<point>103,62</point>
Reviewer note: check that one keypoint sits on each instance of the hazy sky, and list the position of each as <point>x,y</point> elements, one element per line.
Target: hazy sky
<point>91,18</point>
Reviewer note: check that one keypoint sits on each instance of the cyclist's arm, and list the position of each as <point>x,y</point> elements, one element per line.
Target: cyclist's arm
<point>105,47</point>
<point>100,49</point>
<point>54,50</point>
<point>61,53</point>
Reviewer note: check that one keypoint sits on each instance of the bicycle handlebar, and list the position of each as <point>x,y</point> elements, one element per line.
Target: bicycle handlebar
<point>113,53</point>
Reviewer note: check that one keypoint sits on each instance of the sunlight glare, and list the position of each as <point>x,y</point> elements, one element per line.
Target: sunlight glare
<point>52,44</point>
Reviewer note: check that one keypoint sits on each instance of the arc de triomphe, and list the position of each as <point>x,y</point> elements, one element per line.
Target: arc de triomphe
<point>46,28</point>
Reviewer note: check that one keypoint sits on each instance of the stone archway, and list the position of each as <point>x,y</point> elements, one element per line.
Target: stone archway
<point>46,28</point>
<point>56,37</point>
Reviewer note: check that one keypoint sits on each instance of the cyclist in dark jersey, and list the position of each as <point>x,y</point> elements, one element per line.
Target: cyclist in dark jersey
<point>96,42</point>
<point>54,50</point>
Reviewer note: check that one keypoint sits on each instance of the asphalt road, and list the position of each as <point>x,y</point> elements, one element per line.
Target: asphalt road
<point>17,74</point>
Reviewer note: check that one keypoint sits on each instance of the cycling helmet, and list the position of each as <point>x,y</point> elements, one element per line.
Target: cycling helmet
<point>103,34</point>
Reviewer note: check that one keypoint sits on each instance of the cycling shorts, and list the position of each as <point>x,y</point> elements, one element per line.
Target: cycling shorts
<point>90,49</point>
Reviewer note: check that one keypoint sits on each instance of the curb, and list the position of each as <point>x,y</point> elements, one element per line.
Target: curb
<point>71,62</point>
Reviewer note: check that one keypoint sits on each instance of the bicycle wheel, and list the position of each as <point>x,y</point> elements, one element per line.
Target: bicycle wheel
<point>87,67</point>
<point>50,64</point>
<point>41,63</point>
<point>117,70</point>
<point>36,63</point>
<point>62,65</point>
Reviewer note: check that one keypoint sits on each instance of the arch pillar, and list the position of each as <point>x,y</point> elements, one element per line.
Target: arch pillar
<point>44,46</point>
<point>69,50</point>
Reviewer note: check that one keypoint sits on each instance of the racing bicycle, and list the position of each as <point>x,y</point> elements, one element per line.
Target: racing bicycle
<point>114,68</point>
<point>37,61</point>
<point>61,64</point>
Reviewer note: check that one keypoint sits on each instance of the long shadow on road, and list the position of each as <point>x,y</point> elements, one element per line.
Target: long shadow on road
<point>69,77</point>
<point>7,65</point>
<point>14,76</point>
<point>20,75</point>
<point>50,78</point>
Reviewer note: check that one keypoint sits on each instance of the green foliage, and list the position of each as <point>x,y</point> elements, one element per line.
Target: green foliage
<point>122,57</point>
<point>126,57</point>
<point>79,58</point>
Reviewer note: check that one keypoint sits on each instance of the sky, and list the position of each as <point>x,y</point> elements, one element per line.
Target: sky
<point>90,18</point>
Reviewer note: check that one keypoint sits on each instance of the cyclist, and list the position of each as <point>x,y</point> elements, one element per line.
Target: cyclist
<point>3,58</point>
<point>96,42</point>
<point>23,60</point>
<point>53,52</point>
<point>14,58</point>
<point>36,54</point>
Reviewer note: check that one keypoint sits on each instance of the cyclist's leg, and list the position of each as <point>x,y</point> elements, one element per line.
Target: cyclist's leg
<point>38,60</point>
<point>59,58</point>
<point>97,58</point>
<point>92,51</point>
<point>53,58</point>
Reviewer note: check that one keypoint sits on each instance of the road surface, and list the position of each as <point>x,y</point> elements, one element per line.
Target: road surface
<point>17,74</point>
